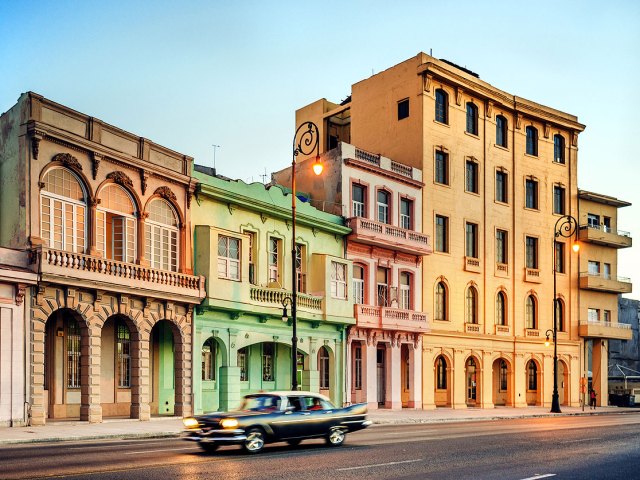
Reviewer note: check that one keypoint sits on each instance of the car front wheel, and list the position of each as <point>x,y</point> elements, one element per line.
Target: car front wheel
<point>336,437</point>
<point>255,441</point>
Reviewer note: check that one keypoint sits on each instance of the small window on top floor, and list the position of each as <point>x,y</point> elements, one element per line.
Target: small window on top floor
<point>501,131</point>
<point>442,106</point>
<point>403,109</point>
<point>558,148</point>
<point>532,141</point>
<point>472,118</point>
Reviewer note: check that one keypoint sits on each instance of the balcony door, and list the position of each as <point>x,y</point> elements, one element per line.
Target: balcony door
<point>380,374</point>
<point>116,220</point>
<point>382,281</point>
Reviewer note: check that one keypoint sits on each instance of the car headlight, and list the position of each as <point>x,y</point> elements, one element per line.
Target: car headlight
<point>229,423</point>
<point>190,422</point>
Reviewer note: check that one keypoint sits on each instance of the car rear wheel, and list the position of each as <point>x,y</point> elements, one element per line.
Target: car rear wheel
<point>208,447</point>
<point>336,437</point>
<point>254,442</point>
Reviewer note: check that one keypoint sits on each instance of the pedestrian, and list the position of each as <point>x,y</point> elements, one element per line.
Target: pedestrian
<point>592,399</point>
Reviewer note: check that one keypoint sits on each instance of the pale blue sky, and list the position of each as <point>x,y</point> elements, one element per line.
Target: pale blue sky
<point>190,74</point>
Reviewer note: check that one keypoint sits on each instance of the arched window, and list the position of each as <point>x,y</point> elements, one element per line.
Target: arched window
<point>161,236</point>
<point>501,302</point>
<point>531,320</point>
<point>532,375</point>
<point>472,118</point>
<point>116,230</point>
<point>209,360</point>
<point>532,141</point>
<point>405,291</point>
<point>441,301</point>
<point>503,376</point>
<point>123,351</point>
<point>441,373</point>
<point>560,315</point>
<point>558,148</point>
<point>323,366</point>
<point>442,106</point>
<point>63,211</point>
<point>471,305</point>
<point>501,131</point>
<point>383,206</point>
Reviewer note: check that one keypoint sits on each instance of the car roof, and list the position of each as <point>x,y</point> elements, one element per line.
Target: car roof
<point>288,393</point>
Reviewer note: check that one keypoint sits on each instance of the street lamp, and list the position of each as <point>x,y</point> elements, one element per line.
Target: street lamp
<point>566,227</point>
<point>305,141</point>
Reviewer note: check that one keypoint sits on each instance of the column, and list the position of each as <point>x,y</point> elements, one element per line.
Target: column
<point>311,375</point>
<point>393,398</point>
<point>370,375</point>
<point>519,381</point>
<point>428,376</point>
<point>599,369</point>
<point>140,407</point>
<point>38,396</point>
<point>459,381</point>
<point>486,380</point>
<point>415,372</point>
<point>90,408</point>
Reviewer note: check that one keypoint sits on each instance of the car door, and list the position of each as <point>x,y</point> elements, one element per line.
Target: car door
<point>295,421</point>
<point>321,415</point>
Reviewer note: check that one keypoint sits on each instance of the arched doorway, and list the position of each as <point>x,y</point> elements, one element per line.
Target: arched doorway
<point>211,359</point>
<point>65,350</point>
<point>406,371</point>
<point>563,383</point>
<point>442,397</point>
<point>533,383</point>
<point>381,374</point>
<point>166,360</point>
<point>501,383</point>
<point>472,383</point>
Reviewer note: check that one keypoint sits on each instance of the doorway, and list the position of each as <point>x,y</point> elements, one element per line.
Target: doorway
<point>381,377</point>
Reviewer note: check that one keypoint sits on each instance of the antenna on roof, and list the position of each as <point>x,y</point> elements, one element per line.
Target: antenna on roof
<point>214,155</point>
<point>431,52</point>
<point>264,176</point>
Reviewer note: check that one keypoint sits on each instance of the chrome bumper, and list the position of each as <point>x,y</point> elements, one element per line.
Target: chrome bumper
<point>214,436</point>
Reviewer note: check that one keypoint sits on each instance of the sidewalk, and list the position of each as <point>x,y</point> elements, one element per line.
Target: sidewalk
<point>160,427</point>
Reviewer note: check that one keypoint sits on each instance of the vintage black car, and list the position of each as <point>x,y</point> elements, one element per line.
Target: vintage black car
<point>273,417</point>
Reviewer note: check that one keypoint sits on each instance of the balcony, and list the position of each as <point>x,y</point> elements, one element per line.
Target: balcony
<point>390,318</point>
<point>100,273</point>
<point>382,235</point>
<point>532,275</point>
<point>602,235</point>
<point>472,264</point>
<point>275,297</point>
<point>601,283</point>
<point>609,330</point>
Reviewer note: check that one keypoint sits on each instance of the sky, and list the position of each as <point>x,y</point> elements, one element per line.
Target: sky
<point>192,74</point>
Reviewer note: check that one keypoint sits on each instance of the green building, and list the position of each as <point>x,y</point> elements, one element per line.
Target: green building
<point>242,245</point>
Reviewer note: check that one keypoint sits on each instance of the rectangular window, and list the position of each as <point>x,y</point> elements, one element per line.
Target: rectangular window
<point>253,277</point>
<point>593,315</point>
<point>123,349</point>
<point>471,177</point>
<point>594,268</point>
<point>267,361</point>
<point>559,257</point>
<point>274,259</point>
<point>323,367</point>
<point>242,364</point>
<point>606,222</point>
<point>357,367</point>
<point>442,234</point>
<point>593,221</point>
<point>405,291</point>
<point>73,355</point>
<point>358,199</point>
<point>406,213</point>
<point>532,252</point>
<point>338,280</point>
<point>442,168</point>
<point>403,109</point>
<point>383,206</point>
<point>471,231</point>
<point>301,267</point>
<point>606,316</point>
<point>382,285</point>
<point>531,194</point>
<point>558,200</point>
<point>501,187</point>
<point>501,247</point>
<point>228,258</point>
<point>358,285</point>
<point>606,273</point>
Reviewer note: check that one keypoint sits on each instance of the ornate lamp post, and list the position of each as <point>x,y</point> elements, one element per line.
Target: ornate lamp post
<point>566,227</point>
<point>305,141</point>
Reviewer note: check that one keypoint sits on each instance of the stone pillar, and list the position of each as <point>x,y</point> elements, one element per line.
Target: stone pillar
<point>599,369</point>
<point>348,372</point>
<point>140,376</point>
<point>370,374</point>
<point>38,399</point>
<point>91,221</point>
<point>90,408</point>
<point>142,260</point>
<point>459,380</point>
<point>415,372</point>
<point>545,381</point>
<point>229,388</point>
<point>311,380</point>
<point>486,382</point>
<point>394,377</point>
<point>428,377</point>
<point>182,367</point>
<point>519,381</point>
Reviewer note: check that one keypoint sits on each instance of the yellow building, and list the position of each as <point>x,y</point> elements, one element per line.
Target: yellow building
<point>499,172</point>
<point>600,285</point>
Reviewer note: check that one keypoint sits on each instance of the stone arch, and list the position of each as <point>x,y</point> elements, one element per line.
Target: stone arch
<point>76,170</point>
<point>442,396</point>
<point>165,194</point>
<point>502,388</point>
<point>116,180</point>
<point>533,397</point>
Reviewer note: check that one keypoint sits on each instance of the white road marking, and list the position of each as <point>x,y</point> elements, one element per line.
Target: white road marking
<point>378,465</point>
<point>581,440</point>
<point>159,450</point>
<point>546,475</point>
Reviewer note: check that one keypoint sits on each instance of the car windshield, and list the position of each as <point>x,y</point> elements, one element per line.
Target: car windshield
<point>258,403</point>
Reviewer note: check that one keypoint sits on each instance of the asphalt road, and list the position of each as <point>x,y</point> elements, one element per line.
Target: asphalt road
<point>593,447</point>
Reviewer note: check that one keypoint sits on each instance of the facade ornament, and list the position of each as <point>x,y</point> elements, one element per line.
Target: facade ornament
<point>94,201</point>
<point>97,158</point>
<point>166,193</point>
<point>428,81</point>
<point>263,217</point>
<point>120,178</point>
<point>574,139</point>
<point>458,96</point>
<point>20,291</point>
<point>519,121</point>
<point>41,185</point>
<point>143,180</point>
<point>489,109</point>
<point>67,160</point>
<point>231,208</point>
<point>35,147</point>
<point>547,130</point>
<point>189,196</point>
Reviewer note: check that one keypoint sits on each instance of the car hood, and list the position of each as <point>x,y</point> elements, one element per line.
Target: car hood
<point>212,417</point>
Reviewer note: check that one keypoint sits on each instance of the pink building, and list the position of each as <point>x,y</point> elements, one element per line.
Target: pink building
<point>382,201</point>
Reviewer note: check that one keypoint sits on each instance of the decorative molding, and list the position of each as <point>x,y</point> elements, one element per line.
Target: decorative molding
<point>314,231</point>
<point>166,193</point>
<point>67,160</point>
<point>518,121</point>
<point>489,109</point>
<point>546,130</point>
<point>20,292</point>
<point>94,201</point>
<point>35,147</point>
<point>574,138</point>
<point>263,217</point>
<point>144,176</point>
<point>189,197</point>
<point>231,208</point>
<point>428,81</point>
<point>97,158</point>
<point>41,185</point>
<point>120,178</point>
<point>459,96</point>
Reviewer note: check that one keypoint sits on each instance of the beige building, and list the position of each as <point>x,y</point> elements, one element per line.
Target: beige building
<point>499,171</point>
<point>600,286</point>
<point>104,215</point>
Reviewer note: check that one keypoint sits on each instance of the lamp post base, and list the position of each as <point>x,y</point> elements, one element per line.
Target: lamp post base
<point>555,404</point>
